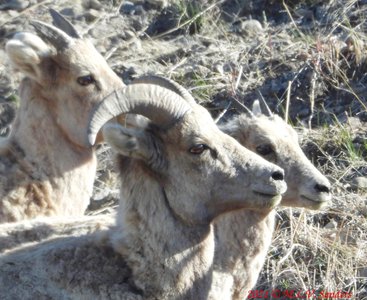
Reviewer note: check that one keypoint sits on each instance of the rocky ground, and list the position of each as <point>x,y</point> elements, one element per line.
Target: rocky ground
<point>307,58</point>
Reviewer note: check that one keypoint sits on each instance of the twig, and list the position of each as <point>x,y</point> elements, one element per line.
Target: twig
<point>312,97</point>
<point>288,101</point>
<point>222,113</point>
<point>293,22</point>
<point>238,78</point>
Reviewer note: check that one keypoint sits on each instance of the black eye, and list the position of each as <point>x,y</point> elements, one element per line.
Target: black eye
<point>265,149</point>
<point>86,80</point>
<point>198,149</point>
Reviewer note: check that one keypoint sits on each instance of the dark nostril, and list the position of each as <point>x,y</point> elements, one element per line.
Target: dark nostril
<point>278,175</point>
<point>322,188</point>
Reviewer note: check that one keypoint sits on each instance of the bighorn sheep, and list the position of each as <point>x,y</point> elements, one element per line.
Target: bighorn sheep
<point>242,253</point>
<point>47,167</point>
<point>177,175</point>
<point>28,232</point>
<point>243,237</point>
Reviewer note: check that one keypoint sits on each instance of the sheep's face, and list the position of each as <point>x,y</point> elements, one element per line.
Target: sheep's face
<point>277,142</point>
<point>203,171</point>
<point>71,81</point>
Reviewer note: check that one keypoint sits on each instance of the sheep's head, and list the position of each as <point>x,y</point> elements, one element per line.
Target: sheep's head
<point>66,71</point>
<point>202,171</point>
<point>273,139</point>
<point>276,141</point>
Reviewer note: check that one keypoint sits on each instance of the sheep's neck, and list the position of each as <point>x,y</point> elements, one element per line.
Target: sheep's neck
<point>61,172</point>
<point>242,241</point>
<point>169,259</point>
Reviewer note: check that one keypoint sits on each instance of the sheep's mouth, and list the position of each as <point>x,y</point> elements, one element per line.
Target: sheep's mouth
<point>318,200</point>
<point>315,202</point>
<point>269,195</point>
<point>268,200</point>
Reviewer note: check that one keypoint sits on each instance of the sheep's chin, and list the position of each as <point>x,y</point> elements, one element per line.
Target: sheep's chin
<point>314,204</point>
<point>269,200</point>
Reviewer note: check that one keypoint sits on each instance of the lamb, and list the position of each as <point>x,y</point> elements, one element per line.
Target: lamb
<point>242,253</point>
<point>243,237</point>
<point>47,168</point>
<point>170,194</point>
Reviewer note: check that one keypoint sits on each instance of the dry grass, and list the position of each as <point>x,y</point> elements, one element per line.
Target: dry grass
<point>309,63</point>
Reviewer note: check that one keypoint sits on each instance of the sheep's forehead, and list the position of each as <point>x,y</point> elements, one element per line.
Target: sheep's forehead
<point>274,129</point>
<point>82,57</point>
<point>198,127</point>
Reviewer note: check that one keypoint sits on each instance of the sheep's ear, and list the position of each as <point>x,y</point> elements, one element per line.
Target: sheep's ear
<point>26,52</point>
<point>133,142</point>
<point>256,109</point>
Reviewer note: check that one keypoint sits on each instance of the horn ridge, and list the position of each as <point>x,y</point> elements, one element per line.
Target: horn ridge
<point>161,105</point>
<point>167,83</point>
<point>56,37</point>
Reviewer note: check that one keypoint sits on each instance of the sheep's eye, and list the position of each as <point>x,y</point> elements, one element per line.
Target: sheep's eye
<point>86,80</point>
<point>198,149</point>
<point>264,149</point>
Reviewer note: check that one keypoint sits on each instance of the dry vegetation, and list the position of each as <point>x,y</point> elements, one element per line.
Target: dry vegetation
<point>308,59</point>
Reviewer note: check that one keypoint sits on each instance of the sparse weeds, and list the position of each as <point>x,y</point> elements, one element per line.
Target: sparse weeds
<point>318,46</point>
<point>190,13</point>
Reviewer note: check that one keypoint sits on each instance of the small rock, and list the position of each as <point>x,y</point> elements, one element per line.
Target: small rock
<point>95,4</point>
<point>248,27</point>
<point>127,8</point>
<point>331,225</point>
<point>360,183</point>
<point>68,11</point>
<point>303,113</point>
<point>14,5</point>
<point>92,4</point>
<point>157,4</point>
<point>362,272</point>
<point>13,13</point>
<point>363,116</point>
<point>305,13</point>
<point>128,35</point>
<point>91,15</point>
<point>139,10</point>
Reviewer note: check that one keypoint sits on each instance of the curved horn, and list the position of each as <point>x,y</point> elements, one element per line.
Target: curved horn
<point>162,106</point>
<point>56,37</point>
<point>169,84</point>
<point>63,24</point>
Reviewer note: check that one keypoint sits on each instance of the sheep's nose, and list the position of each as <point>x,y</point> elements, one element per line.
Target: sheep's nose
<point>321,188</point>
<point>278,175</point>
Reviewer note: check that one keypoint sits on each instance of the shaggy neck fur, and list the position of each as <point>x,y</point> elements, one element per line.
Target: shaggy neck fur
<point>45,173</point>
<point>169,259</point>
<point>242,239</point>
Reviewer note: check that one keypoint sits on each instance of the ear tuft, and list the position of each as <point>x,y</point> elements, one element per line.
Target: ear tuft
<point>121,139</point>
<point>256,109</point>
<point>26,50</point>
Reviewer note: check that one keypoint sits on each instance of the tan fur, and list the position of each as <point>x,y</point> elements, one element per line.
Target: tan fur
<point>28,232</point>
<point>46,169</point>
<point>169,198</point>
<point>243,237</point>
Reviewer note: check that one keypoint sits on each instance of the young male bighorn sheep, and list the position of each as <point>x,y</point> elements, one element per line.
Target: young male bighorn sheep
<point>177,175</point>
<point>46,165</point>
<point>243,237</point>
